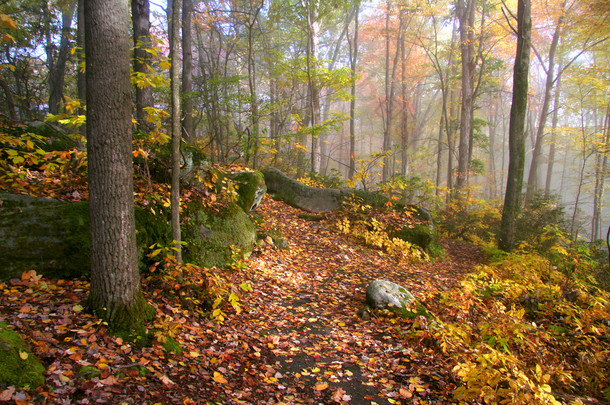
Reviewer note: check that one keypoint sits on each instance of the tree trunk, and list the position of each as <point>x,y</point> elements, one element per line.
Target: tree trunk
<point>465,13</point>
<point>115,281</point>
<point>252,85</point>
<point>140,18</point>
<point>353,48</point>
<point>404,114</point>
<point>80,78</point>
<point>312,53</point>
<point>57,67</point>
<point>601,170</point>
<point>174,25</point>
<point>188,127</point>
<point>553,145</point>
<point>516,130</point>
<point>387,129</point>
<point>10,102</point>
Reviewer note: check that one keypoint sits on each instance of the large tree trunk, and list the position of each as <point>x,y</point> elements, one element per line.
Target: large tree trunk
<point>140,17</point>
<point>465,13</point>
<point>516,130</point>
<point>115,282</point>
<point>174,24</point>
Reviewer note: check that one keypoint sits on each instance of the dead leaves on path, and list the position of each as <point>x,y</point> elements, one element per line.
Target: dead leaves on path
<point>297,340</point>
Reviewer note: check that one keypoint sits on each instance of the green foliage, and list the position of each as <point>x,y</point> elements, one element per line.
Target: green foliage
<point>207,291</point>
<point>333,180</point>
<point>27,157</point>
<point>542,224</point>
<point>368,170</point>
<point>412,190</point>
<point>471,219</point>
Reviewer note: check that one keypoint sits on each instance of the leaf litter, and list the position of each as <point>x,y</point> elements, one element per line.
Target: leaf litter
<point>298,339</point>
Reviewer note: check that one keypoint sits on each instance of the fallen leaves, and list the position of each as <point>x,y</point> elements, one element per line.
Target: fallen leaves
<point>219,378</point>
<point>297,337</point>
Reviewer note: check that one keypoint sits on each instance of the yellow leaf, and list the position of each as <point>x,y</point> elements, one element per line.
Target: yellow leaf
<point>219,378</point>
<point>23,355</point>
<point>77,308</point>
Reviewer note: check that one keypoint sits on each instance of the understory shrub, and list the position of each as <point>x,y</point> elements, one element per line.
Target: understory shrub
<point>521,331</point>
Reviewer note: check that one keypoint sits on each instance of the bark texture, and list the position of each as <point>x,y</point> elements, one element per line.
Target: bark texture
<point>516,130</point>
<point>115,282</point>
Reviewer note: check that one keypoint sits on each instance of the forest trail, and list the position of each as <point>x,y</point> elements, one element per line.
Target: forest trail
<point>298,339</point>
<point>305,303</point>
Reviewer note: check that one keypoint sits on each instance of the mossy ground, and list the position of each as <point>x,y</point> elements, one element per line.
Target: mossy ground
<point>18,366</point>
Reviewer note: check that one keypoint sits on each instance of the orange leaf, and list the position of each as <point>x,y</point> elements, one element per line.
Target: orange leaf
<point>321,386</point>
<point>25,309</point>
<point>219,378</point>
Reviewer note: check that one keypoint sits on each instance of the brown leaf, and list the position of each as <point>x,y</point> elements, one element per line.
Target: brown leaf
<point>7,394</point>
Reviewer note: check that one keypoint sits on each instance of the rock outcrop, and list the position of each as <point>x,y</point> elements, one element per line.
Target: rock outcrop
<point>299,195</point>
<point>52,236</point>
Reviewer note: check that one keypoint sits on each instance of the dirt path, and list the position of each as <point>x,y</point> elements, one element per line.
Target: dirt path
<point>305,304</point>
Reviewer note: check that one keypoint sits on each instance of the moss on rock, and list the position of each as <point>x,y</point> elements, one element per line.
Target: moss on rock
<point>48,235</point>
<point>213,235</point>
<point>18,366</point>
<point>251,189</point>
<point>52,236</point>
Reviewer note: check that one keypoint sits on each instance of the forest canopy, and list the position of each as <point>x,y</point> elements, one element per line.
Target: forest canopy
<point>367,93</point>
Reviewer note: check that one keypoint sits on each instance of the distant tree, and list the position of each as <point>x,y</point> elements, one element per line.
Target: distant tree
<point>115,293</point>
<point>140,17</point>
<point>174,24</point>
<point>516,130</point>
<point>188,125</point>
<point>353,63</point>
<point>57,60</point>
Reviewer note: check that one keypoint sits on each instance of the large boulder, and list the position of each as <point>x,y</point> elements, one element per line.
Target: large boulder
<point>300,195</point>
<point>52,236</point>
<point>18,366</point>
<point>214,235</point>
<point>421,232</point>
<point>44,234</point>
<point>384,294</point>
